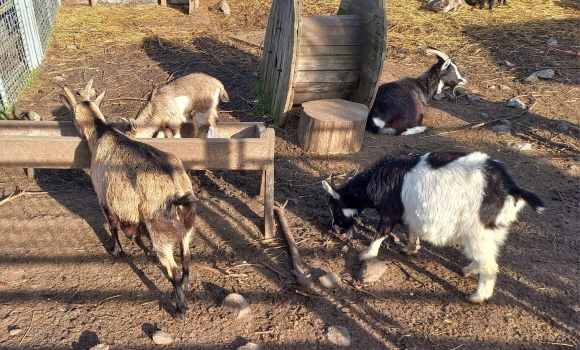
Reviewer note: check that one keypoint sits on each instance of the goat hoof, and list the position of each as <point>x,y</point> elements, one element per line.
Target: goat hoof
<point>118,253</point>
<point>185,283</point>
<point>365,256</point>
<point>408,252</point>
<point>476,298</point>
<point>151,253</point>
<point>180,314</point>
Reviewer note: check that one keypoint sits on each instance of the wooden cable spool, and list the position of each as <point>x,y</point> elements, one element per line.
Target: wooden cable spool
<point>322,57</point>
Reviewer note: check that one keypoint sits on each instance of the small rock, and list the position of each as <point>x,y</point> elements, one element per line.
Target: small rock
<point>459,91</point>
<point>72,47</point>
<point>504,87</point>
<point>438,97</point>
<point>35,117</point>
<point>576,158</point>
<point>58,79</point>
<point>501,129</point>
<point>372,270</point>
<point>330,280</point>
<point>514,102</point>
<point>552,42</point>
<point>237,304</point>
<point>531,79</point>
<point>518,146</point>
<point>338,335</point>
<point>256,74</point>
<point>344,249</point>
<point>15,331</point>
<point>504,122</point>
<point>544,74</point>
<point>573,167</point>
<point>472,97</point>
<point>101,347</point>
<point>249,346</point>
<point>162,338</point>
<point>509,64</point>
<point>562,126</point>
<point>223,5</point>
<point>484,115</point>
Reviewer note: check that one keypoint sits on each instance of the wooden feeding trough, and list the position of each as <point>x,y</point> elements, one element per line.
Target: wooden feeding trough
<point>309,58</point>
<point>57,145</point>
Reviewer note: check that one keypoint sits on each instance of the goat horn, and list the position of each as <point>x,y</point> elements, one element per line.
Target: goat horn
<point>347,176</point>
<point>437,52</point>
<point>70,96</point>
<point>87,95</point>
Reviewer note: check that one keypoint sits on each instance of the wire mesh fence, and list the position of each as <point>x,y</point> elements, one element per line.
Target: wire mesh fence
<point>25,27</point>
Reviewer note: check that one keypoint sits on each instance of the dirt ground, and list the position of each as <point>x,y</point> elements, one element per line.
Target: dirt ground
<point>62,289</point>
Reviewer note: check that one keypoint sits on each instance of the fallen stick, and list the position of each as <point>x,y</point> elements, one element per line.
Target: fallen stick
<point>495,120</point>
<point>298,271</point>
<point>12,196</point>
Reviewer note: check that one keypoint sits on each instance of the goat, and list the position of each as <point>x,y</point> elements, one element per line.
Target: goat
<point>444,5</point>
<point>400,106</point>
<point>481,3</point>
<point>192,97</point>
<point>141,190</point>
<point>444,198</point>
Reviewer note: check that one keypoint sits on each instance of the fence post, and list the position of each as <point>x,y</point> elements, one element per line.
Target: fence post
<point>29,32</point>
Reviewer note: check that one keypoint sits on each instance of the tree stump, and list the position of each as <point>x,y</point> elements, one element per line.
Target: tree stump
<point>332,126</point>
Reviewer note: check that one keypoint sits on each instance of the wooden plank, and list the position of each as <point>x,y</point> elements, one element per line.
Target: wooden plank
<point>324,87</point>
<point>372,15</point>
<point>314,76</point>
<point>268,182</point>
<point>255,38</point>
<point>331,21</point>
<point>300,98</point>
<point>329,63</point>
<point>320,29</point>
<point>308,50</point>
<point>73,152</point>
<point>66,128</point>
<point>330,40</point>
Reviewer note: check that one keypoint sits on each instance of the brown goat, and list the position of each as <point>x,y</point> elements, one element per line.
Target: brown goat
<point>194,97</point>
<point>141,190</point>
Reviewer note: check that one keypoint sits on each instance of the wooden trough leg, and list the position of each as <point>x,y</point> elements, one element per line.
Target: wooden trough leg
<point>163,3</point>
<point>267,187</point>
<point>193,5</point>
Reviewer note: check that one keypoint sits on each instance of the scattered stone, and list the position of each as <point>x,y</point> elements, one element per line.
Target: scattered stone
<point>518,146</point>
<point>492,87</point>
<point>249,346</point>
<point>100,347</point>
<point>501,129</point>
<point>237,304</point>
<point>72,47</point>
<point>438,97</point>
<point>344,249</point>
<point>15,331</point>
<point>577,158</point>
<point>330,280</point>
<point>504,87</point>
<point>35,117</point>
<point>484,115</point>
<point>504,122</point>
<point>162,338</point>
<point>544,74</point>
<point>58,79</point>
<point>222,5</point>
<point>562,126</point>
<point>509,64</point>
<point>372,270</point>
<point>256,74</point>
<point>459,91</point>
<point>514,102</point>
<point>552,42</point>
<point>573,167</point>
<point>531,79</point>
<point>472,97</point>
<point>338,335</point>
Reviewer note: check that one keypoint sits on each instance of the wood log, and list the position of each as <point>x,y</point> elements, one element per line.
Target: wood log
<point>332,126</point>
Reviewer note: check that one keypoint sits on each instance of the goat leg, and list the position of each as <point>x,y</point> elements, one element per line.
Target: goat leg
<point>114,228</point>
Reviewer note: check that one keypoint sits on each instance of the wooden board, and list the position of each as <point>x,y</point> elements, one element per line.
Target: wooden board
<point>301,97</point>
<point>316,50</point>
<point>329,63</point>
<point>314,76</point>
<point>324,87</point>
<point>332,126</point>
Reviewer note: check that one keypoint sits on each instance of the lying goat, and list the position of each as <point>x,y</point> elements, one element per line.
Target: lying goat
<point>194,97</point>
<point>400,106</point>
<point>141,190</point>
<point>444,5</point>
<point>444,198</point>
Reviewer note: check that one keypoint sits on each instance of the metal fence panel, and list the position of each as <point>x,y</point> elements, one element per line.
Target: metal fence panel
<point>25,27</point>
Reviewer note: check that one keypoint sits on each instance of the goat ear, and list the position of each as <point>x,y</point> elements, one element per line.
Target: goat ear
<point>330,190</point>
<point>100,99</point>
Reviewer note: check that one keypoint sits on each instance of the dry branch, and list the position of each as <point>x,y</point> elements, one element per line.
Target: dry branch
<point>298,271</point>
<point>495,120</point>
<point>12,196</point>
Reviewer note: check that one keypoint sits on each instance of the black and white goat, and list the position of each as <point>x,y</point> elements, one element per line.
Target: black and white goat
<point>444,198</point>
<point>481,3</point>
<point>141,190</point>
<point>401,105</point>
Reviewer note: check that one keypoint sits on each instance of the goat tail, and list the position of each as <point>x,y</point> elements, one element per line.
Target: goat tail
<point>533,200</point>
<point>224,95</point>
<point>183,208</point>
